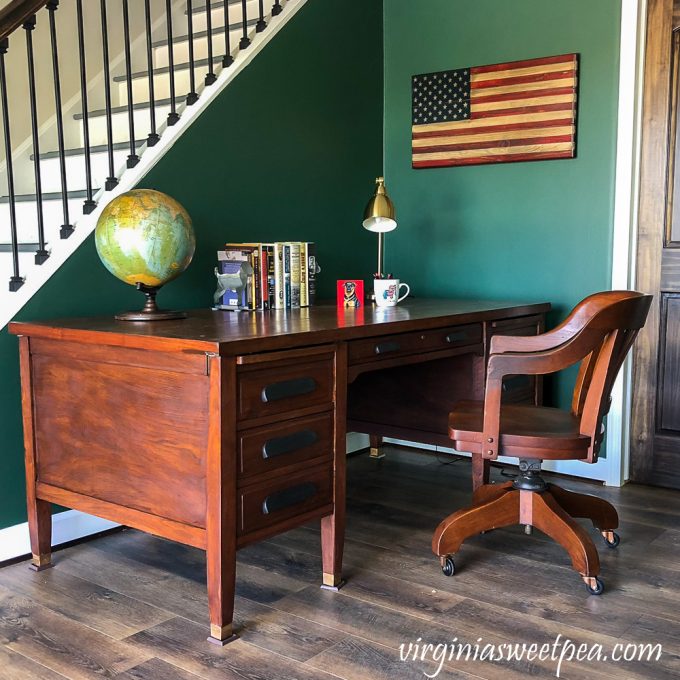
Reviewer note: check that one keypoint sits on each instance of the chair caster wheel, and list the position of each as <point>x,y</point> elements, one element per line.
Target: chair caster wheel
<point>611,539</point>
<point>448,567</point>
<point>594,585</point>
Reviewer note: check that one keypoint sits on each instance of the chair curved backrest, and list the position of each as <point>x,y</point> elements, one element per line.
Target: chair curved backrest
<point>598,332</point>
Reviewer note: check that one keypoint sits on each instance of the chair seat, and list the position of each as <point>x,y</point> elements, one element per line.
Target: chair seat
<point>525,432</point>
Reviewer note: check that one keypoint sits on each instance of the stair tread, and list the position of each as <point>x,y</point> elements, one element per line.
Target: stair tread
<point>202,34</point>
<point>165,69</point>
<point>80,151</point>
<point>137,106</point>
<point>22,247</point>
<point>213,6</point>
<point>48,196</point>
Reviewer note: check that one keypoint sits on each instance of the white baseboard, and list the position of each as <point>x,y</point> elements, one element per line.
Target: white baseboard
<point>356,442</point>
<point>66,526</point>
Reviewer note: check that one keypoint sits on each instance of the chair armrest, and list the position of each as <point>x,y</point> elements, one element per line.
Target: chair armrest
<point>550,360</point>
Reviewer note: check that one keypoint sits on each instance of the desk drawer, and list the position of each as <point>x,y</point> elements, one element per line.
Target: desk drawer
<point>270,448</point>
<point>373,349</point>
<point>270,503</point>
<point>281,387</point>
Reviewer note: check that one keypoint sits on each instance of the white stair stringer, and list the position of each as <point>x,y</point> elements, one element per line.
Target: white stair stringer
<point>61,249</point>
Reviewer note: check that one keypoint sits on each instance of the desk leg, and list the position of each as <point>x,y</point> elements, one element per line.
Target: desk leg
<point>332,544</point>
<point>40,531</point>
<point>376,446</point>
<point>39,511</point>
<point>333,526</point>
<point>480,471</point>
<point>221,506</point>
<point>221,562</point>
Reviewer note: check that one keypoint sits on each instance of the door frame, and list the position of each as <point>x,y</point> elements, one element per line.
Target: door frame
<point>651,222</point>
<point>613,469</point>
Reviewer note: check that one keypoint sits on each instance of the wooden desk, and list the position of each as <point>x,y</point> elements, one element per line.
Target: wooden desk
<point>226,428</point>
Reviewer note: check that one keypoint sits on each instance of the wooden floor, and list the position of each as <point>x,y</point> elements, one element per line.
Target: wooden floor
<point>131,606</point>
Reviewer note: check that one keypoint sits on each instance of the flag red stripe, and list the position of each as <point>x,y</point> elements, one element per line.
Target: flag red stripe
<point>465,130</point>
<point>538,108</point>
<point>479,99</point>
<point>499,144</point>
<point>483,160</point>
<point>527,63</point>
<point>520,80</point>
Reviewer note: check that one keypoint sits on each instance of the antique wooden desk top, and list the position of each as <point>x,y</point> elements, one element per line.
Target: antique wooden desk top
<point>225,428</point>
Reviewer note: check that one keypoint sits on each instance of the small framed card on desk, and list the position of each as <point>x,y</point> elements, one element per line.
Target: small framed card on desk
<point>350,294</point>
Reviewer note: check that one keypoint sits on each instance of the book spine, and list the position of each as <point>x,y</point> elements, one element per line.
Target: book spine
<point>295,275</point>
<point>264,278</point>
<point>271,277</point>
<point>311,273</point>
<point>257,280</point>
<point>279,277</point>
<point>304,289</point>
<point>286,274</point>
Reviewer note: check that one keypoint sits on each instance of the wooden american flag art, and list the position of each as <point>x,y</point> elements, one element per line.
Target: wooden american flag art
<point>517,111</point>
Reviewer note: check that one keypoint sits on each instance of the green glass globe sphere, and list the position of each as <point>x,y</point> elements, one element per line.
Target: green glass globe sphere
<point>145,237</point>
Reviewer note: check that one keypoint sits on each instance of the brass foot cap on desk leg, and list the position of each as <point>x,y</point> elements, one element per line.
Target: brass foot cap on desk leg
<point>332,582</point>
<point>376,452</point>
<point>40,562</point>
<point>221,635</point>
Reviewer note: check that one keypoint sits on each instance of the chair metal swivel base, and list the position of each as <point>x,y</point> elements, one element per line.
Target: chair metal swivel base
<point>531,501</point>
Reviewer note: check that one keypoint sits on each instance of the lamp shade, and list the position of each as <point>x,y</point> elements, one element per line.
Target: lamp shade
<point>379,215</point>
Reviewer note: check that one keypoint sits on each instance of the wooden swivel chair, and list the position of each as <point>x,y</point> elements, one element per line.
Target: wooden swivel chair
<point>598,333</point>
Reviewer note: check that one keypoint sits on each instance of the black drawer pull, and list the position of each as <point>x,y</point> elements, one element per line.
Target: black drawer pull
<point>292,442</point>
<point>385,347</point>
<point>288,388</point>
<point>456,337</point>
<point>284,499</point>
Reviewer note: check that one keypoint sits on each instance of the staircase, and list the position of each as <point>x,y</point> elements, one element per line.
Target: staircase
<point>93,93</point>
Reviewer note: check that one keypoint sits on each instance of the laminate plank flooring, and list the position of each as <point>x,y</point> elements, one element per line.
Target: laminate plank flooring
<point>134,607</point>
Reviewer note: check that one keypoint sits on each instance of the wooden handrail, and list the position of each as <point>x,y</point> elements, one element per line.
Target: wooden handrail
<point>13,15</point>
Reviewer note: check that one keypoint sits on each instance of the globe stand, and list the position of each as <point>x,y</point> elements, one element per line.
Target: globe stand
<point>150,312</point>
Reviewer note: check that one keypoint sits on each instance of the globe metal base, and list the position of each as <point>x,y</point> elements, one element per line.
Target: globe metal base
<point>150,312</point>
<point>160,315</point>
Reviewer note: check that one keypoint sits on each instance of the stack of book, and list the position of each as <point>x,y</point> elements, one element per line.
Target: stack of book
<point>283,275</point>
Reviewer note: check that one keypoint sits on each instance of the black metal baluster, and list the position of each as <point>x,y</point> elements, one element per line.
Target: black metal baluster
<point>173,116</point>
<point>153,137</point>
<point>245,40</point>
<point>66,228</point>
<point>111,180</point>
<point>89,204</point>
<point>15,281</point>
<point>132,158</point>
<point>41,254</point>
<point>210,76</point>
<point>192,97</point>
<point>277,9</point>
<point>261,23</point>
<point>227,60</point>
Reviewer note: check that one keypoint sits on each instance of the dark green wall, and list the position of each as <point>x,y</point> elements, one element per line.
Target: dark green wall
<point>538,230</point>
<point>288,151</point>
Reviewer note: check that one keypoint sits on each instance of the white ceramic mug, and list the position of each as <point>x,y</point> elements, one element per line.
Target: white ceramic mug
<point>387,292</point>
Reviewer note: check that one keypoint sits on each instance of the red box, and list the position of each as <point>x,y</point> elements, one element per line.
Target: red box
<point>350,294</point>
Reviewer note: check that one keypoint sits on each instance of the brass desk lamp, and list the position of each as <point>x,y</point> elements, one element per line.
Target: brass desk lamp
<point>379,217</point>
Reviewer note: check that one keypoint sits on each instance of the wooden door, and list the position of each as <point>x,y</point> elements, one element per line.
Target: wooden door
<point>655,450</point>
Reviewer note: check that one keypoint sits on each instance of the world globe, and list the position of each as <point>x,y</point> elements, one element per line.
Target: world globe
<point>144,236</point>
